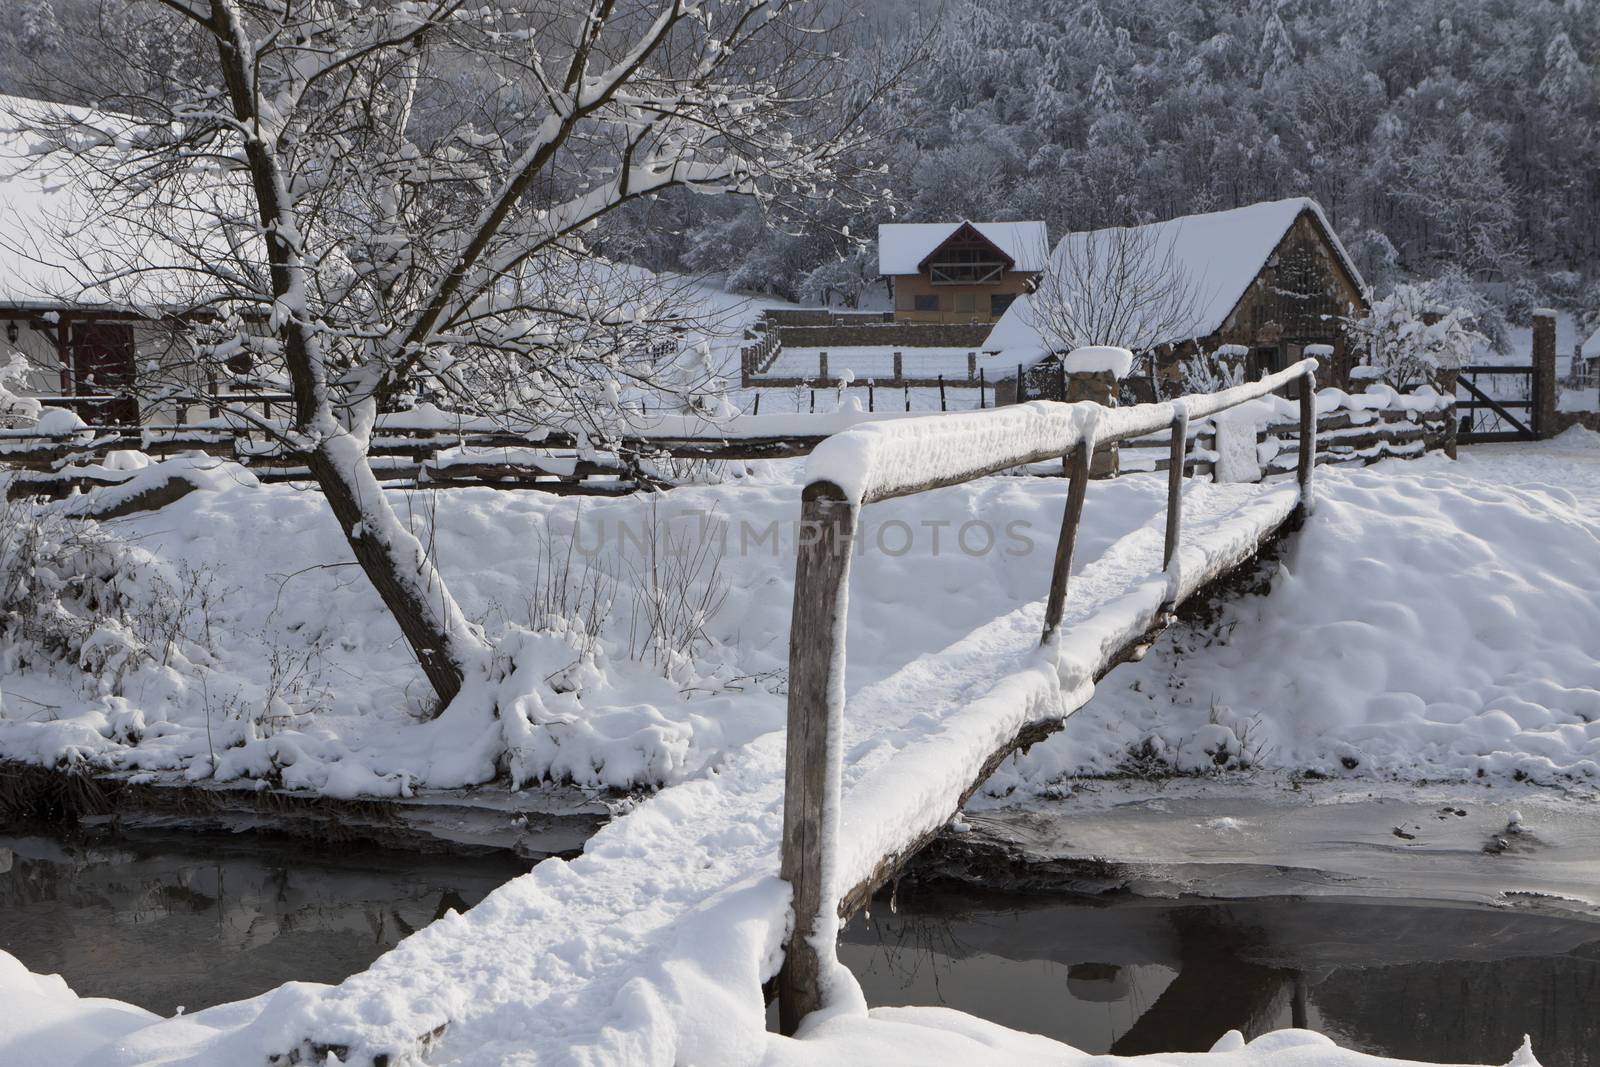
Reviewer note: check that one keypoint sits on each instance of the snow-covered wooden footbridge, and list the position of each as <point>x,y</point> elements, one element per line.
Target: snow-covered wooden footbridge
<point>659,944</point>
<point>838,850</point>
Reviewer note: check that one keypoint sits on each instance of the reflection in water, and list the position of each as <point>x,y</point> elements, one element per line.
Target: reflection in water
<point>1437,983</point>
<point>167,921</point>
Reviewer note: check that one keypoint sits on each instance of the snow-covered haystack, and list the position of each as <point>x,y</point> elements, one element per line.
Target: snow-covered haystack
<point>1433,620</point>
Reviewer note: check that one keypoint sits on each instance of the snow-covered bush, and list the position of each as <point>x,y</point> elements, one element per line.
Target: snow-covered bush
<point>16,410</point>
<point>56,588</point>
<point>678,587</point>
<point>1212,372</point>
<point>73,595</point>
<point>1410,336</point>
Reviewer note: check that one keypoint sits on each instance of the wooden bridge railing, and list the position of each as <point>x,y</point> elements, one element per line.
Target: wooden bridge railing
<point>876,462</point>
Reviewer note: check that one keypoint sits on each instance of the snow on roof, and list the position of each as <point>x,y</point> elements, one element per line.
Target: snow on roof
<point>56,249</point>
<point>903,245</point>
<point>1221,253</point>
<point>1591,347</point>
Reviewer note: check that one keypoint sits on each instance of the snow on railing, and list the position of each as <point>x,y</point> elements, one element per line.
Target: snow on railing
<point>880,461</point>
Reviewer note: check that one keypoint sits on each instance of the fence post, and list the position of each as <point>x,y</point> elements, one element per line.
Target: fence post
<point>822,366</point>
<point>907,388</point>
<point>1180,442</point>
<point>972,365</point>
<point>1022,391</point>
<point>1308,435</point>
<point>941,393</point>
<point>870,391</point>
<point>982,402</point>
<point>899,374</point>
<point>1544,389</point>
<point>1078,471</point>
<point>812,760</point>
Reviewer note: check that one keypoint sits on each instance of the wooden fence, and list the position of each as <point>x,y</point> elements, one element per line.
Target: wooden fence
<point>1342,437</point>
<point>50,464</point>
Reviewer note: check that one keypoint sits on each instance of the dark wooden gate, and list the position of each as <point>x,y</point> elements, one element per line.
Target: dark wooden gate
<point>1487,414</point>
<point>103,366</point>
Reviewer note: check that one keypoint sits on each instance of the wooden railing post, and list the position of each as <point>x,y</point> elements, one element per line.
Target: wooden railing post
<point>1078,471</point>
<point>1180,442</point>
<point>1308,433</point>
<point>816,705</point>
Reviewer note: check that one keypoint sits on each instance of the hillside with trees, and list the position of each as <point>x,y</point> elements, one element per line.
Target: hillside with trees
<point>1445,138</point>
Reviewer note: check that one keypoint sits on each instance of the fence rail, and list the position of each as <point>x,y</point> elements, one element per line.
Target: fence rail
<point>1486,417</point>
<point>874,463</point>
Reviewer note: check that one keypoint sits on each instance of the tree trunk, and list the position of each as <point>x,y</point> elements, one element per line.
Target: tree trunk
<point>389,554</point>
<point>397,565</point>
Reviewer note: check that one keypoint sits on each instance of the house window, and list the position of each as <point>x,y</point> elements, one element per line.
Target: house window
<point>966,303</point>
<point>998,302</point>
<point>926,302</point>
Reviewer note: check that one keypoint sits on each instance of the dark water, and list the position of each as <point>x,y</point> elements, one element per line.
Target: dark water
<point>164,921</point>
<point>1432,983</point>
<point>171,920</point>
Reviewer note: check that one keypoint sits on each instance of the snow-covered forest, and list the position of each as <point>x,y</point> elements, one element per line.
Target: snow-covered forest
<point>1440,135</point>
<point>1443,137</point>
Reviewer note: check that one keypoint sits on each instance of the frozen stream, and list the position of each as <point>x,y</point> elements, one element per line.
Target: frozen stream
<point>1436,983</point>
<point>1437,951</point>
<point>170,920</point>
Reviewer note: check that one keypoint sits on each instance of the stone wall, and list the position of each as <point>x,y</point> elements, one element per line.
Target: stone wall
<point>884,335</point>
<point>824,317</point>
<point>1550,421</point>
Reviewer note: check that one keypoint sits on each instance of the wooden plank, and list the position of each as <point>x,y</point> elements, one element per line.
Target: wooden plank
<point>1180,439</point>
<point>1078,472</point>
<point>1308,434</point>
<point>811,768</point>
<point>859,895</point>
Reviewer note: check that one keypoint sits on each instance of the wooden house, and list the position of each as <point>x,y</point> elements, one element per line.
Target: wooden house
<point>1262,284</point>
<point>959,271</point>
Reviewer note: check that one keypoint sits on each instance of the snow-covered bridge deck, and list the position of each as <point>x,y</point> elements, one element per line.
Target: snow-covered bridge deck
<point>653,947</point>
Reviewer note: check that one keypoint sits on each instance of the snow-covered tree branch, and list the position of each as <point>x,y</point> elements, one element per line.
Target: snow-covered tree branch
<point>373,201</point>
<point>1120,287</point>
<point>1410,336</point>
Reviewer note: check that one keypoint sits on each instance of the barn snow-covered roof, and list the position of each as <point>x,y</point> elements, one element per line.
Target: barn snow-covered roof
<point>1220,253</point>
<point>902,246</point>
<point>57,250</point>
<point>1591,347</point>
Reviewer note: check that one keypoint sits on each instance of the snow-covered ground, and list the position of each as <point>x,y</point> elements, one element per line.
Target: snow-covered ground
<point>1435,620</point>
<point>875,362</point>
<point>922,399</point>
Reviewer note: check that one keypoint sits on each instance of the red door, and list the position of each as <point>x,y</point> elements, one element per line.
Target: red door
<point>102,365</point>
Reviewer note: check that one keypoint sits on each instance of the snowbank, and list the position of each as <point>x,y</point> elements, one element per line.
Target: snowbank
<point>1099,359</point>
<point>1436,621</point>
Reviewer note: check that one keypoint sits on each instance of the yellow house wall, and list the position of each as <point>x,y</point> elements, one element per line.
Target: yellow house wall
<point>907,287</point>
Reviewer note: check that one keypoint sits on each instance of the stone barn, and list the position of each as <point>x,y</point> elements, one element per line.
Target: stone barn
<point>1244,292</point>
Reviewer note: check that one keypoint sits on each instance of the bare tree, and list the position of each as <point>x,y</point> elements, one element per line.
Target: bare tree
<point>1122,286</point>
<point>376,200</point>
